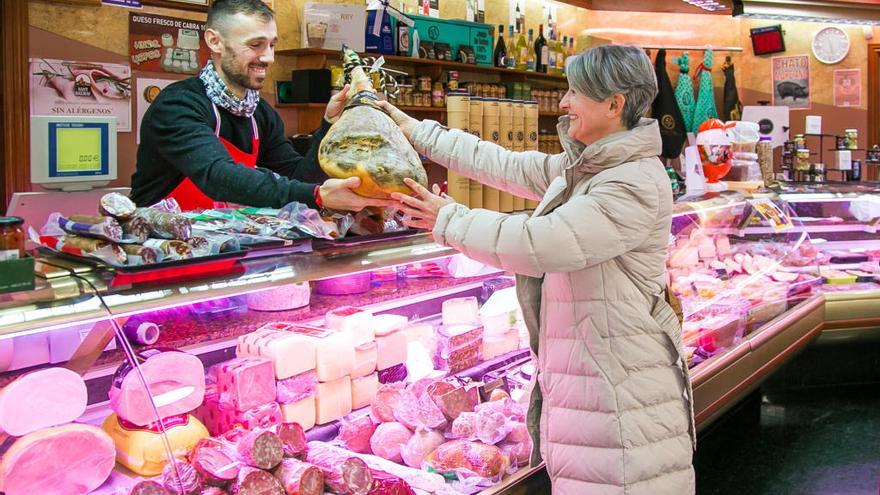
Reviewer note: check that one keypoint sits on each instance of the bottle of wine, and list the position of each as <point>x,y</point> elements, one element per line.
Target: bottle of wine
<point>522,49</point>
<point>510,59</point>
<point>540,50</point>
<point>530,58</point>
<point>500,48</point>
<point>551,53</point>
<point>562,55</point>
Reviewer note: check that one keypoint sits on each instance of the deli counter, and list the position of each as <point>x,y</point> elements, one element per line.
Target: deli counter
<point>398,357</point>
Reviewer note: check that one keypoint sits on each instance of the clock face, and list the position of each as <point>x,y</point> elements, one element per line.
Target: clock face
<point>830,45</point>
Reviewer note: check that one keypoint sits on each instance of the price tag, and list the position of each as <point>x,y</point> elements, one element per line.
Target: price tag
<point>772,213</point>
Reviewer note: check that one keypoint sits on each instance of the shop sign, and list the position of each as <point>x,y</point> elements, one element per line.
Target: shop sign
<point>147,91</point>
<point>848,88</point>
<point>166,44</point>
<point>67,88</point>
<point>791,82</point>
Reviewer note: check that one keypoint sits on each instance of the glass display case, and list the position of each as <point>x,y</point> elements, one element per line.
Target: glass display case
<point>756,275</point>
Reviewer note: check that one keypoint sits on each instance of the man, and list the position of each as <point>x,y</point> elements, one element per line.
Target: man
<point>211,139</point>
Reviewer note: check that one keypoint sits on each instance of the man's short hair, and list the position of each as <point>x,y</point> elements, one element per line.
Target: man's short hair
<point>221,10</point>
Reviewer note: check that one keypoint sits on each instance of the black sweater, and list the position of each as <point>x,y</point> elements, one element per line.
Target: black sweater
<point>177,141</point>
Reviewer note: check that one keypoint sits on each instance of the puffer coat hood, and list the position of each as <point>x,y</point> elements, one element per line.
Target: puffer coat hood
<point>611,411</point>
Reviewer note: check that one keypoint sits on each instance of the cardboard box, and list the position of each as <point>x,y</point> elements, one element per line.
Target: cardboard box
<point>17,275</point>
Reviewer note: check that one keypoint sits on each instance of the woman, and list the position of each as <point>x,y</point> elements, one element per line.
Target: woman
<point>612,413</point>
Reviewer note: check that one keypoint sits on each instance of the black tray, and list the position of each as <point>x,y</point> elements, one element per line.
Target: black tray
<point>364,239</point>
<point>145,268</point>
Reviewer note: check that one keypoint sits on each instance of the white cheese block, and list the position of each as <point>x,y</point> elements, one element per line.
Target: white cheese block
<point>285,297</point>
<point>391,350</point>
<point>333,400</point>
<point>496,346</point>
<point>290,353</point>
<point>354,321</point>
<point>363,390</point>
<point>385,324</point>
<point>364,359</point>
<point>461,310</point>
<point>302,412</point>
<point>334,351</point>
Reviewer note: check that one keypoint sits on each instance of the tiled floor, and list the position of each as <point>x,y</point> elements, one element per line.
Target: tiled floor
<point>811,441</point>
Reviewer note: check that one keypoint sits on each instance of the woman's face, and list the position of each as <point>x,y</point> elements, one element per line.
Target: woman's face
<point>589,120</point>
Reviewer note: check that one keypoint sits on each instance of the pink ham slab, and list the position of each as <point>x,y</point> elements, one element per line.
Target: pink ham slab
<point>71,459</point>
<point>41,399</point>
<point>176,380</point>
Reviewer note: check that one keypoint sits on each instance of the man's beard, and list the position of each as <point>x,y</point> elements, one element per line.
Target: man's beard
<point>237,77</point>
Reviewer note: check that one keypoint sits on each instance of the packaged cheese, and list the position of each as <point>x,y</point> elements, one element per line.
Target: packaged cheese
<point>334,351</point>
<point>385,324</point>
<point>290,354</point>
<point>302,412</point>
<point>365,358</point>
<point>355,321</point>
<point>363,390</point>
<point>333,400</point>
<point>392,349</point>
<point>461,311</point>
<point>141,449</point>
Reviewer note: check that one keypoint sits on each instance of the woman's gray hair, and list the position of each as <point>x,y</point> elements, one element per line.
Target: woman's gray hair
<point>607,70</point>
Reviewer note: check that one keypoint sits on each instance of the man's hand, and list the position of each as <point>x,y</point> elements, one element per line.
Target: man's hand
<point>337,194</point>
<point>336,105</point>
<point>423,206</point>
<point>406,123</point>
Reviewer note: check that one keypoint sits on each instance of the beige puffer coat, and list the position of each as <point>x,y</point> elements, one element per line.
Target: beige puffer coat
<point>612,413</point>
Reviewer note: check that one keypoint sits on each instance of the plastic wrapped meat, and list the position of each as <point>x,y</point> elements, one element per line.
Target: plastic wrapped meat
<point>422,443</point>
<point>99,227</point>
<point>468,459</point>
<point>214,461</point>
<point>300,478</point>
<point>519,433</point>
<point>293,439</point>
<point>355,435</point>
<point>62,399</point>
<point>260,449</point>
<point>415,412</point>
<point>518,453</point>
<point>386,401</point>
<point>116,205</point>
<point>389,484</point>
<point>180,478</point>
<point>166,225</point>
<point>220,417</point>
<point>343,473</point>
<point>388,439</point>
<point>246,382</point>
<point>396,373</point>
<point>510,408</point>
<point>253,481</point>
<point>296,388</point>
<point>453,400</point>
<point>148,487</point>
<point>491,427</point>
<point>465,426</point>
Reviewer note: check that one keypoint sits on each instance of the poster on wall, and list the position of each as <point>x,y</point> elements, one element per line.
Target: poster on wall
<point>848,88</point>
<point>791,82</point>
<point>64,87</point>
<point>166,44</point>
<point>147,91</point>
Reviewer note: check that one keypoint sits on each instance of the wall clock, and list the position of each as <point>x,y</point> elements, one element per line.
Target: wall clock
<point>830,45</point>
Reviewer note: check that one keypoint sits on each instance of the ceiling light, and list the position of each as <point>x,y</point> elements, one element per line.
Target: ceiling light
<point>809,11</point>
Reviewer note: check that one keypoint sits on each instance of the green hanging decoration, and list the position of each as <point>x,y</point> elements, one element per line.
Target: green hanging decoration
<point>705,108</point>
<point>684,92</point>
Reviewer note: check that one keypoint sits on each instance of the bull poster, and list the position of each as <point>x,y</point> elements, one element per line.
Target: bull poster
<point>791,82</point>
<point>848,88</point>
<point>67,88</point>
<point>166,44</point>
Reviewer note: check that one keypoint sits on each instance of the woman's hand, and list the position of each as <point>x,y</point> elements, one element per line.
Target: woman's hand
<point>406,123</point>
<point>336,105</point>
<point>422,207</point>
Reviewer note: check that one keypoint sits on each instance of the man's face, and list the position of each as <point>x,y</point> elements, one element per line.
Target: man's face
<point>248,51</point>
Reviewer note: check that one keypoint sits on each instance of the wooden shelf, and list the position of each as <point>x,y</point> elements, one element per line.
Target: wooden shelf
<point>405,109</point>
<point>331,55</point>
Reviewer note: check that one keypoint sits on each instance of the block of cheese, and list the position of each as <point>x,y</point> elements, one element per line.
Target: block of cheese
<point>355,321</point>
<point>246,382</point>
<point>385,324</point>
<point>285,297</point>
<point>67,459</point>
<point>141,449</point>
<point>177,385</point>
<point>497,346</point>
<point>420,332</point>
<point>40,399</point>
<point>363,390</point>
<point>461,311</point>
<point>334,351</point>
<point>391,350</point>
<point>302,412</point>
<point>364,359</point>
<point>290,353</point>
<point>333,400</point>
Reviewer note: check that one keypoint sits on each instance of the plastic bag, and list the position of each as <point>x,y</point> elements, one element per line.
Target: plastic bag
<point>310,222</point>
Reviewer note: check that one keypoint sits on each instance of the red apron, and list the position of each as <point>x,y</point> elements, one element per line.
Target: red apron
<point>190,197</point>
